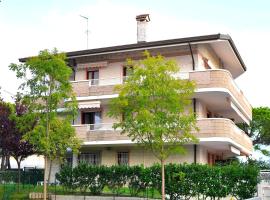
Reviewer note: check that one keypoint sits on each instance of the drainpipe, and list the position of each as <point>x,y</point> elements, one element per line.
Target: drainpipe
<point>195,153</point>
<point>195,145</point>
<point>191,53</point>
<point>194,107</point>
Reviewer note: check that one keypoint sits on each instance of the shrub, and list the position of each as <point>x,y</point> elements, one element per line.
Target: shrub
<point>66,178</point>
<point>81,176</point>
<point>97,177</point>
<point>246,180</point>
<point>183,181</point>
<point>136,181</point>
<point>117,178</point>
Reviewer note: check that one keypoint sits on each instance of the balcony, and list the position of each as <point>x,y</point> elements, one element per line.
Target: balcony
<point>221,130</point>
<point>215,81</point>
<point>221,81</point>
<point>96,87</point>
<point>98,132</point>
<point>213,131</point>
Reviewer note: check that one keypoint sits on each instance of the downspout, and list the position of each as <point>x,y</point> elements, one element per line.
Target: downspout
<point>74,68</point>
<point>192,57</point>
<point>195,145</point>
<point>194,107</point>
<point>195,153</point>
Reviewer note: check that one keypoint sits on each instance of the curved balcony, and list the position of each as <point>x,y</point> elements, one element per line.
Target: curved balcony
<point>223,130</point>
<point>219,131</point>
<point>98,132</point>
<point>219,81</point>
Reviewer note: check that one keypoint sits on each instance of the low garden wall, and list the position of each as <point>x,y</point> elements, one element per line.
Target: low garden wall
<point>71,197</point>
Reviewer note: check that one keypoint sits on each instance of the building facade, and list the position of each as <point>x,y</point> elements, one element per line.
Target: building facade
<point>212,61</point>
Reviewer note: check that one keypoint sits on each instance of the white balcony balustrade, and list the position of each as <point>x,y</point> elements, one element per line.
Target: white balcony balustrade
<point>99,127</point>
<point>107,81</point>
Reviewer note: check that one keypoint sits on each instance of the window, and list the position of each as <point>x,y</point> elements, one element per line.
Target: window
<point>93,76</point>
<point>92,118</point>
<point>127,70</point>
<point>91,158</point>
<point>122,158</point>
<point>212,158</point>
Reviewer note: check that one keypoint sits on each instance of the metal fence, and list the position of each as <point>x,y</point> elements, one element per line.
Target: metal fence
<point>9,181</point>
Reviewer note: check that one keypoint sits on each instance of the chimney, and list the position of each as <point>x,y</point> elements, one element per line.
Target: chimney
<point>141,27</point>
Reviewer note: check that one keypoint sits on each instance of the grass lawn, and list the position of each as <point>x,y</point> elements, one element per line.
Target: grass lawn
<point>11,190</point>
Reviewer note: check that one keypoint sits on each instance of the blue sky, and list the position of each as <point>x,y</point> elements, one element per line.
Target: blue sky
<point>27,26</point>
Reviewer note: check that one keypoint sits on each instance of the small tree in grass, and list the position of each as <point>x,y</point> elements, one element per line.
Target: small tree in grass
<point>11,137</point>
<point>154,105</point>
<point>45,88</point>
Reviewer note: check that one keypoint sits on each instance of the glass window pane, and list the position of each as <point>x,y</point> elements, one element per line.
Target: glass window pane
<point>123,158</point>
<point>91,158</point>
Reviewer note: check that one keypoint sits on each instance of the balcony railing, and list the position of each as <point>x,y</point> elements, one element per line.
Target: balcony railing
<point>208,128</point>
<point>221,78</point>
<point>99,127</point>
<point>103,81</point>
<point>218,78</point>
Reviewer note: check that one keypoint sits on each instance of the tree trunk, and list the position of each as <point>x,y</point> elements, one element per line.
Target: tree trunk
<point>3,158</point>
<point>8,162</point>
<point>49,173</point>
<point>44,179</point>
<point>162,180</point>
<point>19,173</point>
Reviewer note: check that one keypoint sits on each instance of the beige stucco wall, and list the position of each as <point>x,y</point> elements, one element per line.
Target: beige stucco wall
<point>80,74</point>
<point>112,71</point>
<point>205,51</point>
<point>201,109</point>
<point>104,116</point>
<point>202,154</point>
<point>115,69</point>
<point>138,156</point>
<point>184,62</point>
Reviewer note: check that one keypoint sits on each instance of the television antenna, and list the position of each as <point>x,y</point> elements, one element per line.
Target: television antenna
<point>87,31</point>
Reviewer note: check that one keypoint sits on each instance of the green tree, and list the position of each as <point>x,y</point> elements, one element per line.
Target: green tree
<point>46,88</point>
<point>155,108</point>
<point>259,128</point>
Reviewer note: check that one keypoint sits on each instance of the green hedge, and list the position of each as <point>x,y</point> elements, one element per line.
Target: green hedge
<point>183,181</point>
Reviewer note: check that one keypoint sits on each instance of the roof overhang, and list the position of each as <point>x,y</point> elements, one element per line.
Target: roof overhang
<point>222,44</point>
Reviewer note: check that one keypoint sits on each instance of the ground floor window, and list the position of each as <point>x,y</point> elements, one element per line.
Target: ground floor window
<point>122,158</point>
<point>212,158</point>
<point>91,158</point>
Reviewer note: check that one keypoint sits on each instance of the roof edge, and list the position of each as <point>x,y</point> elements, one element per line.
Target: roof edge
<point>193,39</point>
